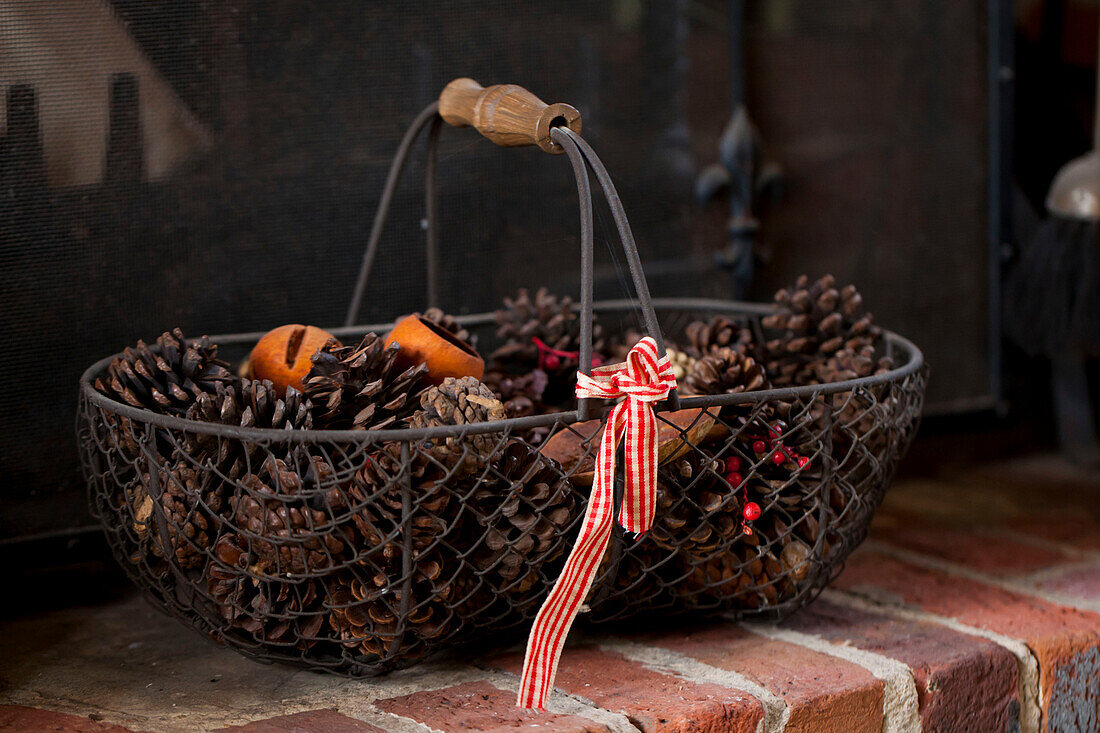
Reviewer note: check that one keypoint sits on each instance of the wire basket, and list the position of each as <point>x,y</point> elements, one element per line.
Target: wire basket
<point>358,552</point>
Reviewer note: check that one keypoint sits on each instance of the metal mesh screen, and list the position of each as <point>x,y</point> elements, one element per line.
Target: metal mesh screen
<point>877,113</point>
<point>215,165</point>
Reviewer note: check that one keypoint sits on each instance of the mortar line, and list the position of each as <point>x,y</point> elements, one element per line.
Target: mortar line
<point>961,571</point>
<point>900,703</point>
<point>564,702</point>
<point>658,659</point>
<point>394,723</point>
<point>1029,689</point>
<point>1063,547</point>
<point>1057,571</point>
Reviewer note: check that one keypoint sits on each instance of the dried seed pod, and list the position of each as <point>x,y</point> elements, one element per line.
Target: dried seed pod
<point>283,355</point>
<point>448,323</point>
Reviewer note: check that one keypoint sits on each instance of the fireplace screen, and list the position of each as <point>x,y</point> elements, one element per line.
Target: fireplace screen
<point>215,166</point>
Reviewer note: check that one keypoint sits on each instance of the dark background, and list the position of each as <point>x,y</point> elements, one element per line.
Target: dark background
<point>878,113</point>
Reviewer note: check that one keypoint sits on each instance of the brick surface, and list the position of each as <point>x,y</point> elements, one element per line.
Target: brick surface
<point>654,702</point>
<point>963,683</point>
<point>25,719</point>
<point>478,706</point>
<point>310,721</point>
<point>1062,639</point>
<point>981,551</point>
<point>1079,582</point>
<point>822,692</point>
<point>1080,532</point>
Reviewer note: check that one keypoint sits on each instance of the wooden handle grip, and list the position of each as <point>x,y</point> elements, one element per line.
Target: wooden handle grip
<point>507,114</point>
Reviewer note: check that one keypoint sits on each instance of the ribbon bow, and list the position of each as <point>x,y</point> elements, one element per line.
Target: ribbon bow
<point>642,379</point>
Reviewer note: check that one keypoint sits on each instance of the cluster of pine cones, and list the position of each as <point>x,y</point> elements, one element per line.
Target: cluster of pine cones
<point>386,547</point>
<point>701,551</point>
<point>295,543</point>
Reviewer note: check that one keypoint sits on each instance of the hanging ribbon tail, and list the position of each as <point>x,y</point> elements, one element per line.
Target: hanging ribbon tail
<point>644,378</point>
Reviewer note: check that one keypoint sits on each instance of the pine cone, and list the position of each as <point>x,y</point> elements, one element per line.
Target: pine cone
<point>620,343</point>
<point>287,526</point>
<point>638,584</point>
<point>701,498</point>
<point>681,362</point>
<point>812,323</point>
<point>167,377</point>
<point>764,568</point>
<point>366,598</point>
<point>697,511</point>
<point>373,501</point>
<point>462,401</point>
<point>848,364</point>
<point>720,332</point>
<point>361,387</point>
<point>522,397</point>
<point>725,371</point>
<point>747,575</point>
<point>552,321</point>
<point>192,502</point>
<point>367,606</point>
<point>276,610</point>
<point>546,317</point>
<point>251,404</point>
<point>521,511</point>
<point>821,334</point>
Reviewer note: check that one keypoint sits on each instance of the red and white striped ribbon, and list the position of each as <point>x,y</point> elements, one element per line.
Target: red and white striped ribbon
<point>642,379</point>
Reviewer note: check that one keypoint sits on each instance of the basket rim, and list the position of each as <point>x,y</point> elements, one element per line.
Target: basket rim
<point>88,391</point>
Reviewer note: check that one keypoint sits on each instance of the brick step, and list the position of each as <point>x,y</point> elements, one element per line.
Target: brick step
<point>967,620</point>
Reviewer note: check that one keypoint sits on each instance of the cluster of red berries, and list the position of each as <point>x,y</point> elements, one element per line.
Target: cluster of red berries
<point>551,359</point>
<point>780,454</point>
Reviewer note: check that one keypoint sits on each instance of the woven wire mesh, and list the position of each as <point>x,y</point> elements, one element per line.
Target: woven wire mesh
<point>360,552</point>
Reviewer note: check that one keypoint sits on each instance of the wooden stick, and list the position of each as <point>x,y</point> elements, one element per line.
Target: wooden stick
<point>507,114</point>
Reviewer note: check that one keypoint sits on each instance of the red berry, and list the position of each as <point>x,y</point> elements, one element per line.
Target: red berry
<point>733,463</point>
<point>775,432</point>
<point>778,458</point>
<point>751,512</point>
<point>734,478</point>
<point>803,461</point>
<point>759,446</point>
<point>553,361</point>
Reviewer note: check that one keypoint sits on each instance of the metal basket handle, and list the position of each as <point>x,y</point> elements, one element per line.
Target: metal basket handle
<point>511,116</point>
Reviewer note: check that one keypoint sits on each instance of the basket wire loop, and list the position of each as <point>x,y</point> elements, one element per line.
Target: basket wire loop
<point>431,211</point>
<point>584,194</point>
<point>397,167</point>
<point>409,552</point>
<point>581,157</point>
